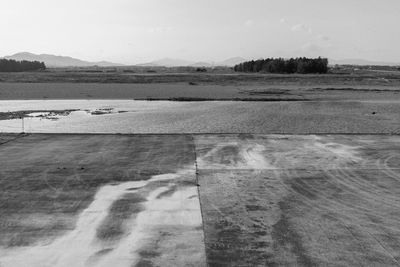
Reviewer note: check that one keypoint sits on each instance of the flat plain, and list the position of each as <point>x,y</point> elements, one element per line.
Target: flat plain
<point>364,101</point>
<point>236,170</point>
<point>192,86</point>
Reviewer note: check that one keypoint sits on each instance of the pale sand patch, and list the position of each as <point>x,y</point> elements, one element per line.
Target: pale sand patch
<point>254,158</point>
<point>75,245</point>
<point>172,216</point>
<point>345,152</point>
<point>249,156</point>
<point>311,152</point>
<point>81,248</point>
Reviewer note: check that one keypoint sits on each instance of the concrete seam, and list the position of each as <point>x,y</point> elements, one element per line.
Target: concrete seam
<point>198,193</point>
<point>21,135</point>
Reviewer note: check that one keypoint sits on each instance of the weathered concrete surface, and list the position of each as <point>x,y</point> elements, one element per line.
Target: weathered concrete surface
<point>278,200</point>
<point>5,138</point>
<point>300,200</point>
<point>99,200</point>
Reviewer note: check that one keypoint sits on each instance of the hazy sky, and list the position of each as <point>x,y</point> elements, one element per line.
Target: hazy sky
<point>134,31</point>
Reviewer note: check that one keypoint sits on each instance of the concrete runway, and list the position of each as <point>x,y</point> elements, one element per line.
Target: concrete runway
<point>300,200</point>
<point>196,200</point>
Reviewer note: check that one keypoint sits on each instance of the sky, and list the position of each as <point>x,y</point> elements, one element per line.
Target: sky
<point>137,31</point>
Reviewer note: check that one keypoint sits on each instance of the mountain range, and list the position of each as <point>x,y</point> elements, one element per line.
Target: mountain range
<point>174,62</point>
<point>54,61</point>
<point>169,62</point>
<point>361,62</point>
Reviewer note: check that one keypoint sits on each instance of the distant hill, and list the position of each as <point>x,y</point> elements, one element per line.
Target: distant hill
<point>168,62</point>
<point>201,64</point>
<point>53,61</point>
<point>231,61</point>
<point>173,62</point>
<point>361,62</point>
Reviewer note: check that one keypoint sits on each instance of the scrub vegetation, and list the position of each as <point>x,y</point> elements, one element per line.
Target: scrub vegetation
<point>10,65</point>
<point>279,65</point>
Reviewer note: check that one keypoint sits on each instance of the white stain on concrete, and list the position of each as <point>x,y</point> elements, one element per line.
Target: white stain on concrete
<point>254,158</point>
<point>169,215</point>
<point>249,156</point>
<point>177,214</point>
<point>341,151</point>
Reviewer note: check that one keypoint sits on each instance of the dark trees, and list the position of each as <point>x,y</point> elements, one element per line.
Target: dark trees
<point>280,65</point>
<point>10,65</point>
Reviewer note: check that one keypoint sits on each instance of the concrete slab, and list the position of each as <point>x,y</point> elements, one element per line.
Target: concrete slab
<point>126,200</point>
<point>4,138</point>
<point>99,200</point>
<point>300,200</point>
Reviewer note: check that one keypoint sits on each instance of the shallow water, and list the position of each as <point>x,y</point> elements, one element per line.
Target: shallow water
<point>132,116</point>
<point>86,115</point>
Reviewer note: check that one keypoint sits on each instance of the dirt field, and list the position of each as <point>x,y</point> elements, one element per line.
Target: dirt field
<point>249,91</point>
<point>126,200</point>
<point>349,102</point>
<point>81,84</point>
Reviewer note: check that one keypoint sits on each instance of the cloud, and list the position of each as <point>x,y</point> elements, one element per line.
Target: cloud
<point>159,29</point>
<point>323,38</point>
<point>249,23</point>
<point>282,20</point>
<point>301,28</point>
<point>312,48</point>
<point>298,27</point>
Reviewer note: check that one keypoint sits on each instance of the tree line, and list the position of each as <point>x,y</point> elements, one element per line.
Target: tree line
<point>10,65</point>
<point>281,65</point>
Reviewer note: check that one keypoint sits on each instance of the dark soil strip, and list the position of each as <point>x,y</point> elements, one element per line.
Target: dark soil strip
<point>201,99</point>
<point>284,236</point>
<point>24,113</point>
<point>354,89</point>
<point>18,136</point>
<point>121,210</point>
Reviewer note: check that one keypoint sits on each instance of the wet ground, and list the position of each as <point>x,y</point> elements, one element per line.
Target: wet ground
<point>129,116</point>
<point>193,200</point>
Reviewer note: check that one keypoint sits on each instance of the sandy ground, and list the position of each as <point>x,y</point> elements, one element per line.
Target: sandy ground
<point>282,89</point>
<point>226,77</point>
<point>83,84</point>
<point>365,102</point>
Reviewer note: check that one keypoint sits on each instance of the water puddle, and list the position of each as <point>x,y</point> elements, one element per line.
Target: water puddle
<point>73,115</point>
